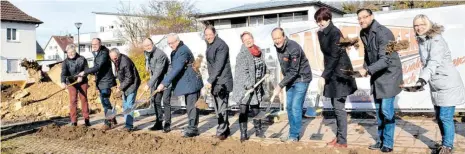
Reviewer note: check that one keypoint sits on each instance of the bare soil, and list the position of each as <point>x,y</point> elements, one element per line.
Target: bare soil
<point>174,143</point>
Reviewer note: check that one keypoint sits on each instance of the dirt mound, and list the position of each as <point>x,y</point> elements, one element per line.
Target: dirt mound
<point>8,90</point>
<point>38,106</point>
<point>174,143</point>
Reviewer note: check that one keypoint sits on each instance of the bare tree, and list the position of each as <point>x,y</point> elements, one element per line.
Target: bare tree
<point>156,17</point>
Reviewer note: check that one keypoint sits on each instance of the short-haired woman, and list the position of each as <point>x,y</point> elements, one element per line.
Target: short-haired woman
<point>438,70</point>
<point>72,65</point>
<point>250,68</point>
<point>337,85</point>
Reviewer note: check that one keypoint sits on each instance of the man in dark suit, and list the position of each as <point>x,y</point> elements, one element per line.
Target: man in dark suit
<point>129,80</point>
<point>184,81</point>
<point>386,75</point>
<point>104,77</point>
<point>220,79</point>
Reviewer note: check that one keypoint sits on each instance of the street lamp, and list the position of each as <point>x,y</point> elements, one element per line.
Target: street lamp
<point>78,26</point>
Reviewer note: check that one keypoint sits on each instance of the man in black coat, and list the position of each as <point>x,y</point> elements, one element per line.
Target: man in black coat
<point>386,75</point>
<point>129,80</point>
<point>220,79</point>
<point>104,77</point>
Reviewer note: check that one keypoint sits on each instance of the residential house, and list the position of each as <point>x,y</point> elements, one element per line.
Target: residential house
<point>18,41</point>
<point>281,13</point>
<point>56,47</point>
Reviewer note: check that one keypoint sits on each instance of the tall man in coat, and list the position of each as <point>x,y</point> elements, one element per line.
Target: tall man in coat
<point>104,77</point>
<point>129,80</point>
<point>220,79</point>
<point>386,75</point>
<point>297,76</point>
<point>157,63</point>
<point>184,81</point>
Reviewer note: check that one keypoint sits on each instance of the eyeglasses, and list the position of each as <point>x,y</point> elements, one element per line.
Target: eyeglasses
<point>360,18</point>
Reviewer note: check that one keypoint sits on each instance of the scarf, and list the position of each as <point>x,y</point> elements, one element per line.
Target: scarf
<point>255,51</point>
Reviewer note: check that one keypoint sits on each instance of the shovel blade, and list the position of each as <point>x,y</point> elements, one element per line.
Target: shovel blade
<point>318,137</point>
<point>110,114</point>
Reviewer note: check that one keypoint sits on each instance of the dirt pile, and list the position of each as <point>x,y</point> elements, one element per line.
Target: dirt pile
<point>174,143</point>
<point>38,106</point>
<point>8,90</point>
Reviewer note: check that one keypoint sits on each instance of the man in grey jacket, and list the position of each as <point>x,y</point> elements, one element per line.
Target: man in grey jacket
<point>386,75</point>
<point>156,63</point>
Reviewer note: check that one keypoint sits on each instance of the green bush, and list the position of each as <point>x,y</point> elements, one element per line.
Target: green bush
<point>137,56</point>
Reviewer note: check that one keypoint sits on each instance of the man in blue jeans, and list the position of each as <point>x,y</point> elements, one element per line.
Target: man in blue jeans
<point>297,76</point>
<point>104,77</point>
<point>386,76</point>
<point>129,80</point>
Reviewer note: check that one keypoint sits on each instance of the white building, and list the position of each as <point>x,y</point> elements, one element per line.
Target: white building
<point>18,41</point>
<point>109,29</point>
<point>56,47</point>
<point>282,13</point>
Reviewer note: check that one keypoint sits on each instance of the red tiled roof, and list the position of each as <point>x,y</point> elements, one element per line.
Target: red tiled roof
<point>12,13</point>
<point>63,41</point>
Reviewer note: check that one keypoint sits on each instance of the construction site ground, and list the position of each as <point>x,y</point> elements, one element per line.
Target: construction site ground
<point>412,135</point>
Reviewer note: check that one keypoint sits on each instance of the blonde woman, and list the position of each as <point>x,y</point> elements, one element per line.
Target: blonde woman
<point>438,70</point>
<point>72,65</point>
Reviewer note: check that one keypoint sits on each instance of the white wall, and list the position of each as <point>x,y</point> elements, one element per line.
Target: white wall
<point>53,49</point>
<point>24,47</point>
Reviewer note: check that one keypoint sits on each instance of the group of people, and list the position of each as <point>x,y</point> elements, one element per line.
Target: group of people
<point>176,76</point>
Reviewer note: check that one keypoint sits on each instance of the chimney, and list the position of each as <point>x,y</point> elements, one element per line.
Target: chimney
<point>386,7</point>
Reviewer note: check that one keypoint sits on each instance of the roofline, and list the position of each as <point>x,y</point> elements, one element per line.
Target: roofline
<point>24,21</point>
<point>118,14</point>
<point>318,3</point>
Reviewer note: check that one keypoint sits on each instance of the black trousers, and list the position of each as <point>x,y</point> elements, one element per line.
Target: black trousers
<point>156,101</point>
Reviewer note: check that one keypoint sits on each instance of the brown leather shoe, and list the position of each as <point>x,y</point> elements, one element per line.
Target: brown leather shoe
<point>333,142</point>
<point>105,127</point>
<point>337,145</point>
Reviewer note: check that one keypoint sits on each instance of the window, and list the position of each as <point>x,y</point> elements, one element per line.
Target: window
<point>271,19</point>
<point>102,29</point>
<point>238,22</point>
<point>111,27</point>
<point>301,16</point>
<point>286,17</point>
<point>12,66</point>
<point>108,45</point>
<point>119,44</point>
<point>256,21</point>
<point>11,34</point>
<point>120,26</point>
<point>82,46</point>
<point>50,47</point>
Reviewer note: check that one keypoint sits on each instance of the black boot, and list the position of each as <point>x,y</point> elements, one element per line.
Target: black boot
<point>87,123</point>
<point>157,126</point>
<point>243,128</point>
<point>257,124</point>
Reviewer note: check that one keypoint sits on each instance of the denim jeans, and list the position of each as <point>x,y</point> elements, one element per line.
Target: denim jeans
<point>386,121</point>
<point>128,101</point>
<point>445,118</point>
<point>105,100</point>
<point>295,99</point>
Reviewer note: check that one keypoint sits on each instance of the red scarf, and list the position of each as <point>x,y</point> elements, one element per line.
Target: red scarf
<point>255,51</point>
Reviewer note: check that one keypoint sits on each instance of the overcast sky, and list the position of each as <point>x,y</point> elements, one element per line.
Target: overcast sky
<point>59,16</point>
